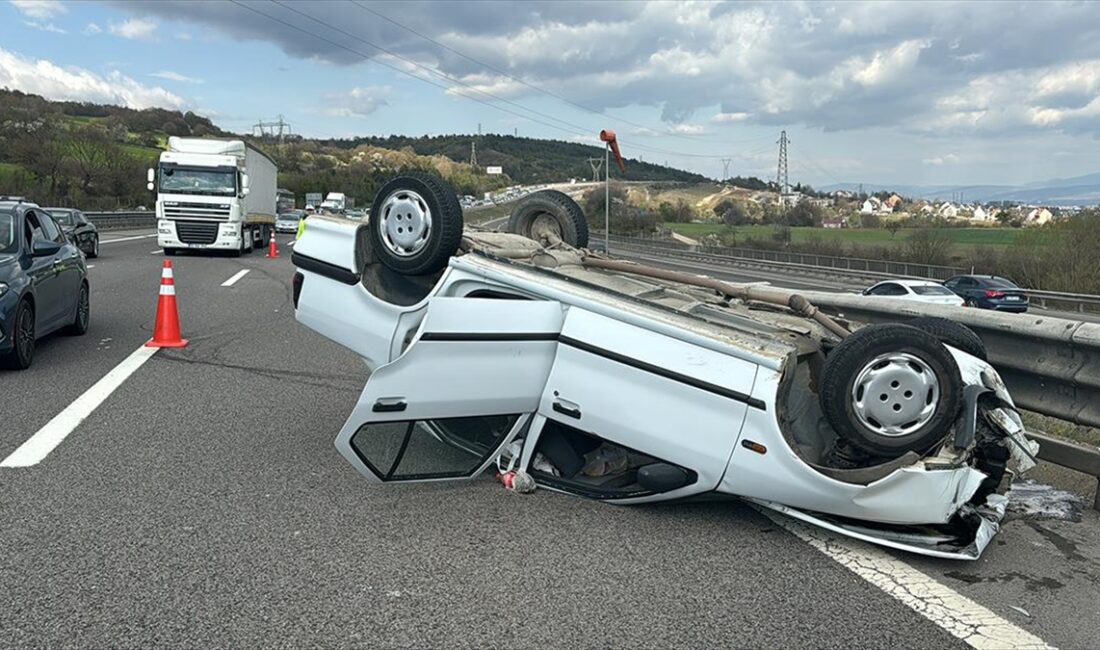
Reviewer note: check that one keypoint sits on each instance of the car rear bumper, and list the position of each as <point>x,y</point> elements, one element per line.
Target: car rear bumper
<point>1011,307</point>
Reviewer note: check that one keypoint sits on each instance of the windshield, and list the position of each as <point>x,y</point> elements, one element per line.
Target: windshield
<point>7,233</point>
<point>290,216</point>
<point>212,181</point>
<point>63,217</point>
<point>931,290</point>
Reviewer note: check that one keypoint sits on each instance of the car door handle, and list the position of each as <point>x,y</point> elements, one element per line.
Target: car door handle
<point>567,408</point>
<point>389,405</point>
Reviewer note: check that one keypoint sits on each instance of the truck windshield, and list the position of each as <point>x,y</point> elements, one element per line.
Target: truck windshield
<point>215,181</point>
<point>7,232</point>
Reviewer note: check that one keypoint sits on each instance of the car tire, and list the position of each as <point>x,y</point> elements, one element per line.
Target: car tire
<point>956,335</point>
<point>416,224</point>
<point>890,388</point>
<point>22,335</point>
<point>552,211</point>
<point>94,252</point>
<point>969,302</point>
<point>79,326</point>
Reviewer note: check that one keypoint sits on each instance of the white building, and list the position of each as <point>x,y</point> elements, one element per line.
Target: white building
<point>948,211</point>
<point>980,214</point>
<point>1038,217</point>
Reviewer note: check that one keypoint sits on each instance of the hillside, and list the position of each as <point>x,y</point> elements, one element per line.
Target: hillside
<point>525,160</point>
<point>1076,191</point>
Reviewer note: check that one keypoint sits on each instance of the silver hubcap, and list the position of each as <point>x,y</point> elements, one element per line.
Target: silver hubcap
<point>405,223</point>
<point>895,394</point>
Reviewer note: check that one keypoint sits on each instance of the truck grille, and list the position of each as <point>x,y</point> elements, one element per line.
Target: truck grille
<point>197,232</point>
<point>182,210</point>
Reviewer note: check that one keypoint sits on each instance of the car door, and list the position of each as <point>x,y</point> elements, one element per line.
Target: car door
<point>68,265</point>
<point>49,289</point>
<point>468,382</point>
<point>674,401</point>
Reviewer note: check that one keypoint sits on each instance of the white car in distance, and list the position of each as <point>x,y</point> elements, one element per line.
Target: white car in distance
<point>920,290</point>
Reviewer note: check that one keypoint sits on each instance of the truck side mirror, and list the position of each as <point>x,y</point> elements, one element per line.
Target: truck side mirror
<point>245,191</point>
<point>149,176</point>
<point>149,186</point>
<point>244,181</point>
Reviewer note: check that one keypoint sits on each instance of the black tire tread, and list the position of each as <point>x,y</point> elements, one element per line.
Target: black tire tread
<point>11,359</point>
<point>448,226</point>
<point>74,328</point>
<point>569,215</point>
<point>848,357</point>
<point>951,333</point>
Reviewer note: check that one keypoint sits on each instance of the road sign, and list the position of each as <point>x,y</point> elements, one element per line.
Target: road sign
<point>494,170</point>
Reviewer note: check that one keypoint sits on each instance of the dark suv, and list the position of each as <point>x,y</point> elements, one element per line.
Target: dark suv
<point>43,282</point>
<point>989,292</point>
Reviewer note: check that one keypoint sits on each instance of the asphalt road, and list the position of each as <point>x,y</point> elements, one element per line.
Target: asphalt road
<point>203,504</point>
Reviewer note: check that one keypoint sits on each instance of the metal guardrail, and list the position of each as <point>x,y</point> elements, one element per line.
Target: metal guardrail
<point>112,220</point>
<point>1079,458</point>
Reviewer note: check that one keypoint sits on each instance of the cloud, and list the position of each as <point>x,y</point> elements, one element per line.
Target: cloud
<point>829,66</point>
<point>357,102</point>
<point>50,80</point>
<point>938,161</point>
<point>175,76</point>
<point>725,118</point>
<point>92,29</point>
<point>45,27</point>
<point>686,129</point>
<point>40,9</point>
<point>134,28</point>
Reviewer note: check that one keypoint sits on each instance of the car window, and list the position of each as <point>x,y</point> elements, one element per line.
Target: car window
<point>32,230</point>
<point>8,243</point>
<point>50,230</point>
<point>931,290</point>
<point>966,283</point>
<point>952,283</point>
<point>63,217</point>
<point>1000,283</point>
<point>889,289</point>
<point>451,447</point>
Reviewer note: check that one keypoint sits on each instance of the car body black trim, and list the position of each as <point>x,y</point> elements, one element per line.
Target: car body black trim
<point>489,336</point>
<point>321,267</point>
<point>664,372</point>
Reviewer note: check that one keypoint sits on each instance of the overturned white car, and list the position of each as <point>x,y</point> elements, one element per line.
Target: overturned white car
<point>632,384</point>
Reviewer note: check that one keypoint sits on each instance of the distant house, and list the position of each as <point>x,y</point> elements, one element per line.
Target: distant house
<point>927,208</point>
<point>842,222</point>
<point>1038,217</point>
<point>948,211</point>
<point>871,205</point>
<point>892,202</point>
<point>980,214</point>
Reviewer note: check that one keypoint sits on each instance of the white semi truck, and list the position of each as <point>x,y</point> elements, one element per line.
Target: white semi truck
<point>335,202</point>
<point>214,195</point>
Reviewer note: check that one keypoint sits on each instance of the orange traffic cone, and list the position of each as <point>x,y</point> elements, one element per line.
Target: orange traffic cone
<point>166,330</point>
<point>272,251</point>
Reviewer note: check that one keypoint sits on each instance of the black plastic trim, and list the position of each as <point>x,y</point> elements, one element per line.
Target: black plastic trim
<point>321,267</point>
<point>664,372</point>
<point>489,336</point>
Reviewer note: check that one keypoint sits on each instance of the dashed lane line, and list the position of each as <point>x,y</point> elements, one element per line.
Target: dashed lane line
<point>975,625</point>
<point>115,241</point>
<point>156,252</point>
<point>236,276</point>
<point>46,439</point>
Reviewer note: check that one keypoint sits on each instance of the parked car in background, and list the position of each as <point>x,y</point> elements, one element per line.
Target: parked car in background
<point>43,282</point>
<point>288,221</point>
<point>989,292</point>
<point>82,232</point>
<point>919,290</point>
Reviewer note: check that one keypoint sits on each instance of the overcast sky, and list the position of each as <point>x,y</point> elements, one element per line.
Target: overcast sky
<point>913,93</point>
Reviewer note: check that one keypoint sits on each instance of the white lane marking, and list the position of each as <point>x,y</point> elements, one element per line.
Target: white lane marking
<point>46,439</point>
<point>156,252</point>
<point>236,276</point>
<point>112,241</point>
<point>290,243</point>
<point>91,266</point>
<point>950,610</point>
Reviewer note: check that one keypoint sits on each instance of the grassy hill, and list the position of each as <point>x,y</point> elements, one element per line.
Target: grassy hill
<point>525,160</point>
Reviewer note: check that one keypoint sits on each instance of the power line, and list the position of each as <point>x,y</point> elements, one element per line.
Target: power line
<point>534,87</point>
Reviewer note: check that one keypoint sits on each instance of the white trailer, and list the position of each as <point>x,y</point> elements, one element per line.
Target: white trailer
<point>214,195</point>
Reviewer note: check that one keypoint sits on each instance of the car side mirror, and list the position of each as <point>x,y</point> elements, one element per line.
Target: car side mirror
<point>43,248</point>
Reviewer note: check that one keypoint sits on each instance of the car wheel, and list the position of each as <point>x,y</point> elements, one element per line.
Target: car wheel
<point>94,251</point>
<point>416,224</point>
<point>22,335</point>
<point>954,334</point>
<point>969,302</point>
<point>79,326</point>
<point>890,388</point>
<point>549,212</point>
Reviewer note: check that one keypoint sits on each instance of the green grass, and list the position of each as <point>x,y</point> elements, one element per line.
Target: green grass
<point>137,151</point>
<point>12,178</point>
<point>960,237</point>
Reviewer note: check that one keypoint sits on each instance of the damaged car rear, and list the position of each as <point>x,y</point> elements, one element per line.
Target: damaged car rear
<point>616,381</point>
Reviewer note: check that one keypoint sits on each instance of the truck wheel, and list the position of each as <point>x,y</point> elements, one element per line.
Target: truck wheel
<point>169,252</point>
<point>246,241</point>
<point>956,335</point>
<point>549,212</point>
<point>891,388</point>
<point>416,223</point>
